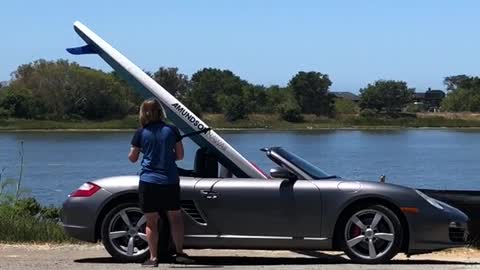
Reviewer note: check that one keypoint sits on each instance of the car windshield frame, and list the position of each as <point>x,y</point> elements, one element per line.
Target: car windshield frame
<point>300,163</point>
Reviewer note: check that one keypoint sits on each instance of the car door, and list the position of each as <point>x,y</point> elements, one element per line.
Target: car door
<point>273,208</point>
<point>199,231</point>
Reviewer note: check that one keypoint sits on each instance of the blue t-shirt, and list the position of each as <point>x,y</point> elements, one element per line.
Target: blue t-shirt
<point>157,143</point>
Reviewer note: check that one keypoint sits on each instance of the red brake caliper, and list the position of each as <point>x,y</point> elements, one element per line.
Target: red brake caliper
<point>355,231</point>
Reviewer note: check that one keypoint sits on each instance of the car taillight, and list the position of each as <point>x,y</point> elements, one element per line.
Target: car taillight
<point>85,190</point>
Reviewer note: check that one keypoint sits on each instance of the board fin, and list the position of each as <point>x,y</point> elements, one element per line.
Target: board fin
<point>87,49</point>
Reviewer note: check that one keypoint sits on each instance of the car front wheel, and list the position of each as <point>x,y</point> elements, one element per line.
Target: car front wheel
<point>371,234</point>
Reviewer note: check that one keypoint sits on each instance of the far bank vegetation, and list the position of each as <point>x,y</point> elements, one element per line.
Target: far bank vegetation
<point>63,94</point>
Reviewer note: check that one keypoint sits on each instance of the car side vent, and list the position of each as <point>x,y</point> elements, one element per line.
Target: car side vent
<point>191,210</point>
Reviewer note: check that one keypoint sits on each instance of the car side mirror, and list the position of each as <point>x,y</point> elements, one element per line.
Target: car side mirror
<point>280,172</point>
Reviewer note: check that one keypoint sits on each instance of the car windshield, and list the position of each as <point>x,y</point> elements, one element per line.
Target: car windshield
<point>303,165</point>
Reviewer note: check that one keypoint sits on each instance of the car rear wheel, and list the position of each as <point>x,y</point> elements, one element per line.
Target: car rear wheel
<point>371,234</point>
<point>123,233</point>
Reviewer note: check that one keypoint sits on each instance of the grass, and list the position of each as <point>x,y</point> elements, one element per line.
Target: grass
<point>268,121</point>
<point>264,121</point>
<point>24,219</point>
<point>130,122</point>
<point>15,229</point>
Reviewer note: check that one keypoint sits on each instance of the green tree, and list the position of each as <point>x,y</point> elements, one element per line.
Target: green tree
<point>462,100</point>
<point>386,95</point>
<point>133,97</point>
<point>311,92</point>
<point>105,97</point>
<point>345,106</point>
<point>19,103</point>
<point>255,98</point>
<point>233,107</point>
<point>461,81</point>
<point>174,82</point>
<point>191,104</point>
<point>210,84</point>
<point>276,96</point>
<point>290,111</point>
<point>61,90</point>
<point>464,94</point>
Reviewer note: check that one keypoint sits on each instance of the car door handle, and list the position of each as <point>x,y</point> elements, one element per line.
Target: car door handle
<point>209,194</point>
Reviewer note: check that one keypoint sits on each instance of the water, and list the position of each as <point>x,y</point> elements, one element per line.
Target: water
<point>56,163</point>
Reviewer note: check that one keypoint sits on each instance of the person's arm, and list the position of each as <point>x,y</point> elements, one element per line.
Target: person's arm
<point>136,146</point>
<point>179,153</point>
<point>134,154</point>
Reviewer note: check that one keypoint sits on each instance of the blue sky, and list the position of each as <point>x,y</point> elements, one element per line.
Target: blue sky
<point>262,41</point>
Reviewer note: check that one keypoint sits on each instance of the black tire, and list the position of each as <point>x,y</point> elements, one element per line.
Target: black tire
<point>113,222</point>
<point>357,242</point>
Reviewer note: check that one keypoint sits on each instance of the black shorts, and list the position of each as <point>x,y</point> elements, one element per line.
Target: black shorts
<point>158,198</point>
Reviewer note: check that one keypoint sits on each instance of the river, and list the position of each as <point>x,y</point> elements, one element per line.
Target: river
<point>56,163</point>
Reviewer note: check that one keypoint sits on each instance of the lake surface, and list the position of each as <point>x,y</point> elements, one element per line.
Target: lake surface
<point>56,163</point>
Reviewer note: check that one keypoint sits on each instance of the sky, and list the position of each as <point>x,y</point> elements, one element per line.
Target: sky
<point>263,41</point>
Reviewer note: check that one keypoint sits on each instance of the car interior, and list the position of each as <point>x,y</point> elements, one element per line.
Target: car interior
<point>206,165</point>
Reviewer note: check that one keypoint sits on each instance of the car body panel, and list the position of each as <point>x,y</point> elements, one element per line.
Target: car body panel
<point>274,214</point>
<point>79,214</point>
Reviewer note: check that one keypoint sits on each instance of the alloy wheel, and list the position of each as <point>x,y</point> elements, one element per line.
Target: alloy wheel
<point>126,232</point>
<point>369,234</point>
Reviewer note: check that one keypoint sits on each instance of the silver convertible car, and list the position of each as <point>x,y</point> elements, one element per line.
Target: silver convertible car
<point>299,207</point>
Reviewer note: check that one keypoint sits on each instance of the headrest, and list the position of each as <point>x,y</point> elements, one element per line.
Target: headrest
<point>206,164</point>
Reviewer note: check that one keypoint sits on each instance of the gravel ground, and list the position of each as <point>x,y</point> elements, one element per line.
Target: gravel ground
<point>76,257</point>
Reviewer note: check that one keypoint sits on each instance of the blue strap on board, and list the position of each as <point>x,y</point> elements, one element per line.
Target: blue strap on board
<point>87,49</point>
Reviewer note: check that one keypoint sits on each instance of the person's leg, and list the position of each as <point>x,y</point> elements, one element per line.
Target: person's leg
<point>152,234</point>
<point>166,247</point>
<point>147,199</point>
<point>176,229</point>
<point>175,218</point>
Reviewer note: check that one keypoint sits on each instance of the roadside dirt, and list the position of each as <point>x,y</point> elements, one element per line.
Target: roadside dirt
<point>95,257</point>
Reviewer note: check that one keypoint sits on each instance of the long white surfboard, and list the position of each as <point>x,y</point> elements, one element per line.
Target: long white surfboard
<point>176,112</point>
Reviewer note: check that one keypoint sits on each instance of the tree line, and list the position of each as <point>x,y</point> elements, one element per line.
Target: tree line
<point>63,90</point>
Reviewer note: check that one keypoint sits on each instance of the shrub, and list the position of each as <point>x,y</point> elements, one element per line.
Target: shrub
<point>233,107</point>
<point>290,112</point>
<point>462,100</point>
<point>27,207</point>
<point>368,113</point>
<point>50,213</point>
<point>389,96</point>
<point>5,113</point>
<point>26,221</point>
<point>345,106</point>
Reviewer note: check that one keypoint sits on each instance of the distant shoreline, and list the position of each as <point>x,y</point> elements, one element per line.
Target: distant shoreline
<point>261,122</point>
<point>126,130</point>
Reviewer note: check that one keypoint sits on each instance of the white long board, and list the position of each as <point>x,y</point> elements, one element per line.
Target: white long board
<point>176,112</point>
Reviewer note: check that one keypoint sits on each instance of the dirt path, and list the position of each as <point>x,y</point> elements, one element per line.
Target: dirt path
<point>91,257</point>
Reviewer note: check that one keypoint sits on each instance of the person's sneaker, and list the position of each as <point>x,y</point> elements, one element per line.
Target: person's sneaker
<point>166,259</point>
<point>183,258</point>
<point>150,263</point>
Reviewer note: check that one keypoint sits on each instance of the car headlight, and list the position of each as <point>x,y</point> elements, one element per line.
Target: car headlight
<point>432,201</point>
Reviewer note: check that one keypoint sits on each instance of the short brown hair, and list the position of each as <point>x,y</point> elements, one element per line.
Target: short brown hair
<point>151,111</point>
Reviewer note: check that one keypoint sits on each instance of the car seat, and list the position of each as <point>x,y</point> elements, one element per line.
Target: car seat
<point>205,164</point>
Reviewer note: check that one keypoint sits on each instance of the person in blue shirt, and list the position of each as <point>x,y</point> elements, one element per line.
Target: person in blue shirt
<point>159,186</point>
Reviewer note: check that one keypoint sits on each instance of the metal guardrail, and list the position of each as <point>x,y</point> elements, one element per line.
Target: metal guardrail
<point>468,201</point>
